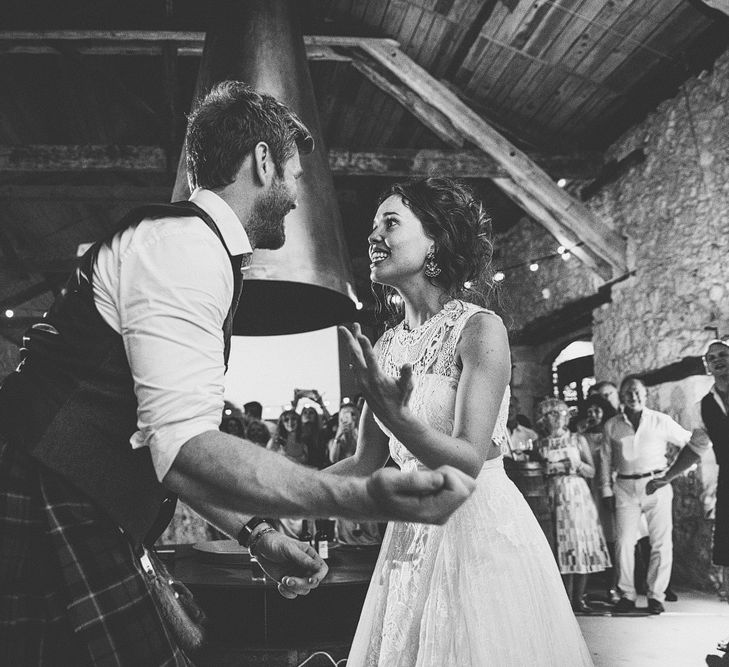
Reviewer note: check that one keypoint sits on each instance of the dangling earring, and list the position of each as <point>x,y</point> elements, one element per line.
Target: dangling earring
<point>432,270</point>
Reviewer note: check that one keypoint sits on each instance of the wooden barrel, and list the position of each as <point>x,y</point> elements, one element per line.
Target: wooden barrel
<point>528,476</point>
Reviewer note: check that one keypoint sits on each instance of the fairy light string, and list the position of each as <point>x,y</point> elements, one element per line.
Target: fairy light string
<point>534,264</point>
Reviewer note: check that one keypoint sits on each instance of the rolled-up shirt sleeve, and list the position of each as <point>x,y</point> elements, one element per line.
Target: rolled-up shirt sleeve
<point>679,436</point>
<point>175,290</point>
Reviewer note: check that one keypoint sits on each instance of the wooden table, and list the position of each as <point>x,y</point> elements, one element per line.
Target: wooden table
<point>250,623</point>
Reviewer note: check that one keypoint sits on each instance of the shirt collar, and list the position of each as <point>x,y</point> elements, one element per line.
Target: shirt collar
<point>230,227</point>
<point>643,413</point>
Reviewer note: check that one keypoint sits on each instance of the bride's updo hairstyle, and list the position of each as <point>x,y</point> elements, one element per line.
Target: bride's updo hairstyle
<point>461,229</point>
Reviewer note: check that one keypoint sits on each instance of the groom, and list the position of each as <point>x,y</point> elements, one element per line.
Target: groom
<point>114,411</point>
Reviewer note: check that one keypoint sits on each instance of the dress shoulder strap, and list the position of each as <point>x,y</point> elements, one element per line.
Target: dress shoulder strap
<point>463,312</point>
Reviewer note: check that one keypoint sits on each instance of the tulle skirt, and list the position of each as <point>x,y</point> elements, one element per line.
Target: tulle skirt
<point>483,590</point>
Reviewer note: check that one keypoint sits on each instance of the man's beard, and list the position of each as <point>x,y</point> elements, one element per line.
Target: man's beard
<point>267,220</point>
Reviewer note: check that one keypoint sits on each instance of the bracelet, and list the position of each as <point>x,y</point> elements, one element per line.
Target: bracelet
<point>244,536</point>
<point>257,538</point>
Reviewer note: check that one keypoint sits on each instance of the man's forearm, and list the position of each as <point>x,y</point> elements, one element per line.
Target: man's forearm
<point>685,459</point>
<point>236,478</point>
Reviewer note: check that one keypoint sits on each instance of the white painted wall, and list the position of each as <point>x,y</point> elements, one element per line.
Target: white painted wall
<point>267,369</point>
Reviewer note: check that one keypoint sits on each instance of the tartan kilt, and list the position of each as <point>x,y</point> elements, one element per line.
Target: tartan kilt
<point>72,591</point>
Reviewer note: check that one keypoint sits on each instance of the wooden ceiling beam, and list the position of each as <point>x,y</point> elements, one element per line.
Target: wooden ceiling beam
<point>130,193</point>
<point>426,113</point>
<point>527,184</point>
<point>549,220</point>
<point>68,157</point>
<point>151,43</point>
<point>384,162</point>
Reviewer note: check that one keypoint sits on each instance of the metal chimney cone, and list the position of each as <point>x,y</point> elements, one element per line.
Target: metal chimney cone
<point>307,284</point>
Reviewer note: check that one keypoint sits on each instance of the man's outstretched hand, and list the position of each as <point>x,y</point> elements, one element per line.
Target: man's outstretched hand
<point>294,565</point>
<point>423,496</point>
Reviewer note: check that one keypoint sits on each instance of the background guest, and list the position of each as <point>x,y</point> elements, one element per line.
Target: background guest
<point>581,547</point>
<point>342,446</point>
<point>313,419</point>
<point>233,425</point>
<point>256,431</point>
<point>287,438</point>
<point>521,437</point>
<point>596,411</point>
<point>344,442</point>
<point>635,448</point>
<point>314,437</point>
<point>714,414</point>
<point>608,390</point>
<point>253,409</point>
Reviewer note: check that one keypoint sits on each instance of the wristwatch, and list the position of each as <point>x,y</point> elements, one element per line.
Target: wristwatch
<point>244,536</point>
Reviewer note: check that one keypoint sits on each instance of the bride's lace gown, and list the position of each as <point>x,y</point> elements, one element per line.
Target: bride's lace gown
<point>484,589</point>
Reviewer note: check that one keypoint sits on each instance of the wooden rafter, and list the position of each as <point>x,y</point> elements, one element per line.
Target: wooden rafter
<point>430,116</point>
<point>381,59</point>
<point>384,162</point>
<point>531,187</point>
<point>148,43</point>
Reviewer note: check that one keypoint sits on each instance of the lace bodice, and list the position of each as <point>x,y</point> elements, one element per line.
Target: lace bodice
<point>431,350</point>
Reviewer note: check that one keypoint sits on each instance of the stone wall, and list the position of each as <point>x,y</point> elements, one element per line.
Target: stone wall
<point>674,211</point>
<point>524,295</point>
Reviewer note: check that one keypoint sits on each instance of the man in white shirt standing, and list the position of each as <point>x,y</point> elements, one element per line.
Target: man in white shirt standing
<point>635,450</point>
<point>116,405</point>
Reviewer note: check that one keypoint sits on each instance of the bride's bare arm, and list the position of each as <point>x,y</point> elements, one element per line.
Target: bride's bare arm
<point>372,449</point>
<point>484,353</point>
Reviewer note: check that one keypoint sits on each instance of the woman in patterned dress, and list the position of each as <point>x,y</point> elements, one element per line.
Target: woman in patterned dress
<point>483,589</point>
<point>580,542</point>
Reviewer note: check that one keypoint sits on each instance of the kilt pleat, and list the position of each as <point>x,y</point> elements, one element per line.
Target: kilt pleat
<point>72,591</point>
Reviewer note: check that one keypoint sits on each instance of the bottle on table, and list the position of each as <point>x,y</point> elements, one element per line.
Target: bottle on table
<point>305,535</point>
<point>321,538</point>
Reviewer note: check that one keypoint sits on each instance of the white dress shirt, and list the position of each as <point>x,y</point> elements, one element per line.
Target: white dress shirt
<point>631,452</point>
<point>166,286</point>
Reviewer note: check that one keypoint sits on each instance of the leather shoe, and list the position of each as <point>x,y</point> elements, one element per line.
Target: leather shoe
<point>655,607</point>
<point>624,606</point>
<point>613,597</point>
<point>581,607</point>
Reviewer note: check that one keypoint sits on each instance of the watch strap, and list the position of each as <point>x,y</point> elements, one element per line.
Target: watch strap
<point>244,536</point>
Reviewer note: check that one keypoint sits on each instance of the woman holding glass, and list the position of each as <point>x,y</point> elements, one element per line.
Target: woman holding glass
<point>580,542</point>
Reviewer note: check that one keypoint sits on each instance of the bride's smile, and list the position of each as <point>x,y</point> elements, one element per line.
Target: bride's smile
<point>398,244</point>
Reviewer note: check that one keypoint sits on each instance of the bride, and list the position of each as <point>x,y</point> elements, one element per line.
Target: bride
<point>484,588</point>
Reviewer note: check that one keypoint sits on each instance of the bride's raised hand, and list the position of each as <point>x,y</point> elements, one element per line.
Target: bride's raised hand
<point>388,397</point>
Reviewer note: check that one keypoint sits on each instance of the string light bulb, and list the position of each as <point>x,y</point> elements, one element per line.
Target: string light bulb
<point>499,276</point>
<point>561,249</point>
<point>534,267</point>
<point>359,305</point>
<point>396,300</point>
<point>468,284</point>
<point>561,182</point>
<point>9,313</point>
<point>566,255</point>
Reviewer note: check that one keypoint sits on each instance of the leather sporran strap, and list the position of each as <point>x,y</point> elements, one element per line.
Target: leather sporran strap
<point>184,618</point>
